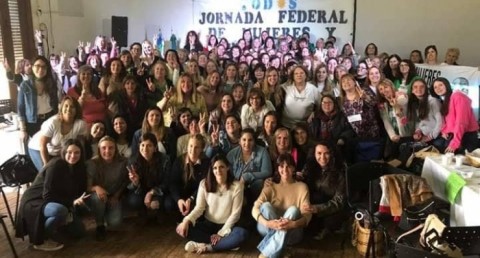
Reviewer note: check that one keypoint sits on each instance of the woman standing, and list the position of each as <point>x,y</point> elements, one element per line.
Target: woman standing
<point>90,98</point>
<point>219,200</point>
<point>425,111</point>
<point>277,210</point>
<point>48,203</point>
<point>459,133</point>
<point>407,75</point>
<point>157,84</point>
<point>111,82</point>
<point>301,98</point>
<point>37,98</point>
<point>107,179</point>
<point>67,124</point>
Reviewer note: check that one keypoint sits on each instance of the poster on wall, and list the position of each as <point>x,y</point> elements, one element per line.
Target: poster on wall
<point>464,78</point>
<point>320,18</point>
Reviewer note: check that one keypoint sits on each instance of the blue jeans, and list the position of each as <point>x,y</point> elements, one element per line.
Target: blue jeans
<point>56,216</point>
<point>202,231</point>
<point>274,240</point>
<point>36,158</point>
<point>104,212</point>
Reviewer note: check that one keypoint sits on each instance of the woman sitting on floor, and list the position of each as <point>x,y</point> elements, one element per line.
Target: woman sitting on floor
<point>219,200</point>
<point>277,210</point>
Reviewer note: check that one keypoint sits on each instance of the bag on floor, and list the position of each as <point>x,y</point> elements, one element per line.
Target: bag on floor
<point>431,238</point>
<point>18,170</point>
<point>361,235</point>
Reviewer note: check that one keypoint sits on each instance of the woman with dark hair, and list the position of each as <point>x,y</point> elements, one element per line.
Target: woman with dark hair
<point>330,124</point>
<point>257,74</point>
<point>219,201</point>
<point>89,96</point>
<point>392,69</point>
<point>48,203</point>
<point>371,51</point>
<point>324,175</point>
<point>250,163</point>
<point>278,210</point>
<point>271,87</point>
<point>416,57</point>
<point>153,123</point>
<point>321,81</point>
<point>212,43</point>
<point>97,131</point>
<point>225,139</point>
<point>302,143</point>
<point>253,112</point>
<point>37,98</point>
<point>270,125</point>
<point>431,55</point>
<point>407,75</point>
<point>122,135</point>
<point>424,110</point>
<point>459,133</point>
<point>111,81</point>
<point>247,36</point>
<point>47,142</point>
<point>107,179</point>
<point>130,103</point>
<point>192,42</point>
<point>148,176</point>
<point>239,97</point>
<point>230,77</point>
<point>175,67</point>
<point>181,122</point>
<point>219,115</point>
<point>136,51</point>
<point>269,43</point>
<point>361,73</point>
<point>188,170</point>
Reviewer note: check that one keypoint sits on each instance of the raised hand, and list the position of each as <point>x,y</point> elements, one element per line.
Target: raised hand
<point>113,41</point>
<point>63,56</point>
<point>155,38</point>
<point>215,135</point>
<point>202,122</point>
<point>38,36</point>
<point>133,175</point>
<point>88,46</point>
<point>150,84</point>
<point>81,46</point>
<point>81,200</point>
<point>168,94</point>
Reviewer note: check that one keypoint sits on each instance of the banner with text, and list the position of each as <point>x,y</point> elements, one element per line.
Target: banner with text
<point>321,18</point>
<point>464,78</point>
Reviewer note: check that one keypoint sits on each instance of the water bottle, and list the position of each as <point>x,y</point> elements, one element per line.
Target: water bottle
<point>173,41</point>
<point>160,43</point>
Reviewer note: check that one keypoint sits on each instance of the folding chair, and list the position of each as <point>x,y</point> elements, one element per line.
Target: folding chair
<point>5,230</point>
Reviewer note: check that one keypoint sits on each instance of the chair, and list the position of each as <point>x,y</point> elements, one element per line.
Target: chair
<point>363,191</point>
<point>10,242</point>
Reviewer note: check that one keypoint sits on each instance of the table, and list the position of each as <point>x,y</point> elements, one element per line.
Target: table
<point>466,209</point>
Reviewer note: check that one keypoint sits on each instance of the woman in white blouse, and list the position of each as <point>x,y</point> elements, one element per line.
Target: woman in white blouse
<point>301,97</point>
<point>219,200</point>
<point>68,124</point>
<point>255,110</point>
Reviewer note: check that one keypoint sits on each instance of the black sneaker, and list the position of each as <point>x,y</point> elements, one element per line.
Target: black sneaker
<point>101,233</point>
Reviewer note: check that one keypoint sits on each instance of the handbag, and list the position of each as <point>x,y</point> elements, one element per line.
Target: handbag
<point>415,215</point>
<point>429,151</point>
<point>431,238</point>
<point>18,170</point>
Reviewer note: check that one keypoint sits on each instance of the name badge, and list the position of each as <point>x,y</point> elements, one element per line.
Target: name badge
<point>354,118</point>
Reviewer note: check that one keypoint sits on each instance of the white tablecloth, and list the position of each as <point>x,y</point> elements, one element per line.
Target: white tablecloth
<point>466,209</point>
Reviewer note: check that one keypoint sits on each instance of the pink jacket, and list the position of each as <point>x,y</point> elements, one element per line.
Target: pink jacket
<point>460,118</point>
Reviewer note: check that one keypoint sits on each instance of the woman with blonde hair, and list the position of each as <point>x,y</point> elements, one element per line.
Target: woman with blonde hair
<point>212,90</point>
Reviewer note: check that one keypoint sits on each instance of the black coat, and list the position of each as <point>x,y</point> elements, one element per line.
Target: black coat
<point>57,182</point>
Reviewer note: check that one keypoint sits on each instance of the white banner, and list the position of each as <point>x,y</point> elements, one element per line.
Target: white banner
<point>321,18</point>
<point>464,78</point>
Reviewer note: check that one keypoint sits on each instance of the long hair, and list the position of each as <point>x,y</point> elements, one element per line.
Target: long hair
<point>77,143</point>
<point>211,183</point>
<point>78,108</point>
<point>273,150</point>
<point>188,172</point>
<point>333,171</point>
<point>448,94</point>
<point>147,128</point>
<point>417,106</point>
<point>179,94</point>
<point>95,91</point>
<point>412,72</point>
<point>283,158</point>
<point>328,84</point>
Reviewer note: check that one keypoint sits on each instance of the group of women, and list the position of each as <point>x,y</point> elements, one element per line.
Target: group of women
<point>209,132</point>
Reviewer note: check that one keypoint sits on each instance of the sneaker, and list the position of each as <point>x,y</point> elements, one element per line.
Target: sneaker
<point>194,247</point>
<point>48,245</point>
<point>101,233</point>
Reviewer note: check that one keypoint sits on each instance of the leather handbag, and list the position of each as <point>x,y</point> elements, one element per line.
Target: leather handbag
<point>18,170</point>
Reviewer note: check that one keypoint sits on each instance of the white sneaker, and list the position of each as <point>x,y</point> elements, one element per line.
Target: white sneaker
<point>194,247</point>
<point>48,245</point>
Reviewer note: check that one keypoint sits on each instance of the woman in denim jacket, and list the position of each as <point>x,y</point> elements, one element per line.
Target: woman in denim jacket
<point>250,163</point>
<point>37,98</point>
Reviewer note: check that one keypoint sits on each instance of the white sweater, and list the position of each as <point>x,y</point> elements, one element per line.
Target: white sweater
<point>219,207</point>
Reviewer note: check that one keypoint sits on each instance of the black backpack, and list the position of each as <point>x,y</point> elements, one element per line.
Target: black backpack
<point>18,170</point>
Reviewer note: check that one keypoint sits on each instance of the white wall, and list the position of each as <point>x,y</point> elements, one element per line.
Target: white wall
<point>395,26</point>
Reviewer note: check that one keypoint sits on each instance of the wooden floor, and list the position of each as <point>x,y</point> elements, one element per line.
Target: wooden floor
<point>158,239</point>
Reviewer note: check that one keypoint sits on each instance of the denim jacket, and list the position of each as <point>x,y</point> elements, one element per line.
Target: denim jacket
<point>258,167</point>
<point>27,102</point>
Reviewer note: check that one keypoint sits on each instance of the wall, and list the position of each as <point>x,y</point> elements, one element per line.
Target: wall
<point>395,26</point>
